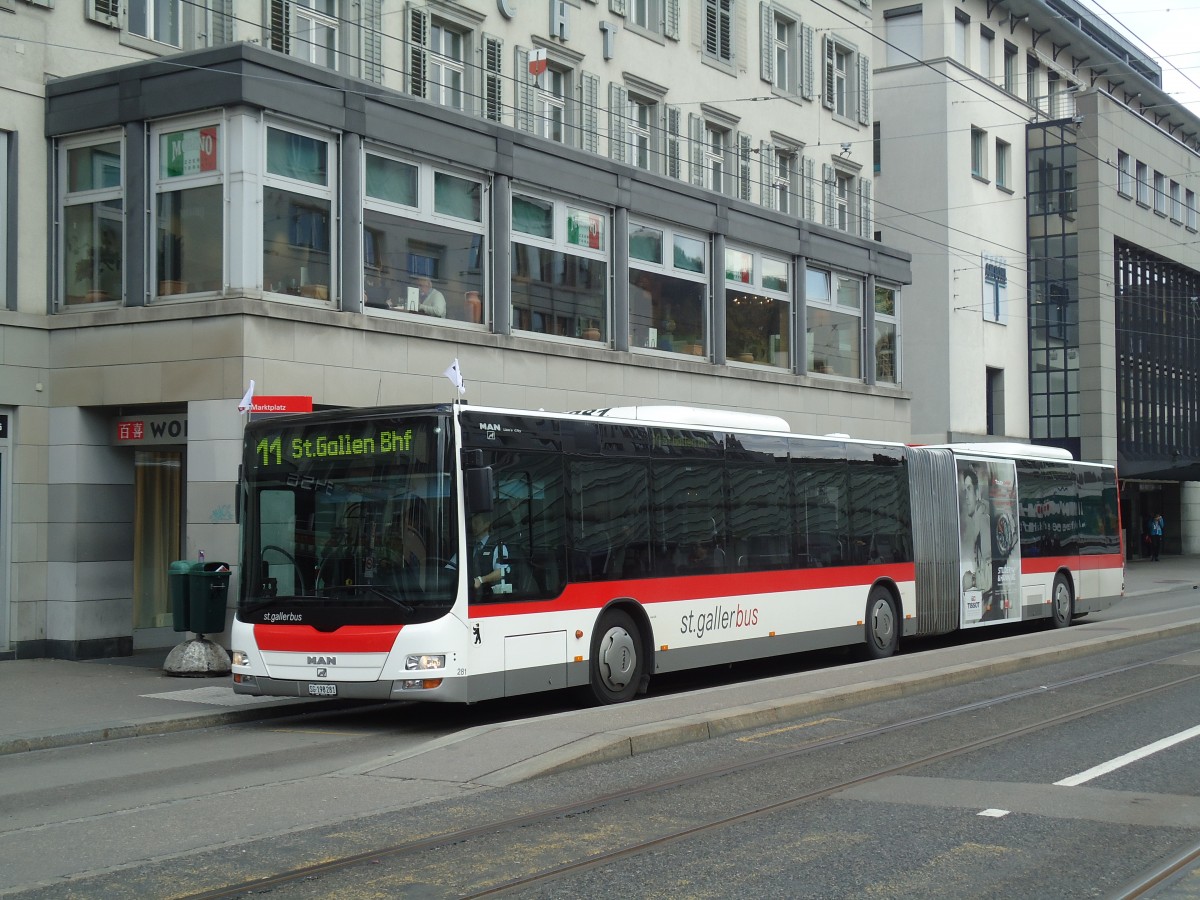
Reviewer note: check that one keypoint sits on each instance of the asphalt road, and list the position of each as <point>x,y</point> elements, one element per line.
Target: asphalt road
<point>177,814</point>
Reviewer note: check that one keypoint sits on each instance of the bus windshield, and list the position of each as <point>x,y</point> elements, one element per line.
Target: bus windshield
<point>349,520</point>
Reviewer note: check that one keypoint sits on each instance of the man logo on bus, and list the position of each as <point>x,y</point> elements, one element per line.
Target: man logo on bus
<point>322,660</point>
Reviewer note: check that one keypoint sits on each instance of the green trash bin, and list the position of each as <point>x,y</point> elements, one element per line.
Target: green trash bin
<point>208,590</point>
<point>178,577</point>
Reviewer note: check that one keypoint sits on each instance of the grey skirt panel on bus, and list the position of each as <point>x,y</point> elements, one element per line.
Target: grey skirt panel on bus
<point>933,484</point>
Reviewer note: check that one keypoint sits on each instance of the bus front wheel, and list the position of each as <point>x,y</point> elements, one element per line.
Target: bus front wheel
<point>617,663</point>
<point>882,625</point>
<point>1064,603</point>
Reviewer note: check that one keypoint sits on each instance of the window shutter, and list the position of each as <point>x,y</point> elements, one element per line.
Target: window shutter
<point>744,145</point>
<point>674,117</point>
<point>493,100</point>
<point>808,63</point>
<point>766,175</point>
<point>222,23</point>
<point>671,20</point>
<point>525,88</point>
<point>589,103</point>
<point>696,148</point>
<point>830,187</point>
<point>106,12</point>
<point>864,209</point>
<point>618,137</point>
<point>766,55</point>
<point>808,188</point>
<point>864,89</point>
<point>827,98</point>
<point>617,7</point>
<point>280,23</point>
<point>418,41</point>
<point>371,29</point>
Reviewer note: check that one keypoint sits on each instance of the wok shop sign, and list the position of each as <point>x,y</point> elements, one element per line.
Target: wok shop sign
<point>150,431</point>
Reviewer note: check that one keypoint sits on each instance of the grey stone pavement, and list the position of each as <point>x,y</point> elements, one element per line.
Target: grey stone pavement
<point>47,703</point>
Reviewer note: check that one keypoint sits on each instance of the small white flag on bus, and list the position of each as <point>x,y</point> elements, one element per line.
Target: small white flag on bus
<point>454,373</point>
<point>248,399</point>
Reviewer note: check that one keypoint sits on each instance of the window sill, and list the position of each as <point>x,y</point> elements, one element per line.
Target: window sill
<point>1005,188</point>
<point>981,179</point>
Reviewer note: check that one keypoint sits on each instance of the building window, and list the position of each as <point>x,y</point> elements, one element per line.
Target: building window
<point>91,176</point>
<point>783,184</point>
<point>189,217</point>
<point>903,35</point>
<point>668,290</point>
<point>718,30</point>
<point>158,20</point>
<point>995,289</point>
<point>1124,174</point>
<point>1011,78</point>
<point>559,268</point>
<point>297,215</point>
<point>550,106</point>
<point>640,122</point>
<point>887,337</point>
<point>1143,184</point>
<point>447,70</point>
<point>1189,209</point>
<point>758,308</point>
<point>834,323</point>
<point>1033,81</point>
<point>979,153</point>
<point>1160,194</point>
<point>424,243</point>
<point>962,35</point>
<point>987,50</point>
<point>844,199</point>
<point>1003,164</point>
<point>307,29</point>
<point>781,52</point>
<point>847,81</point>
<point>1176,203</point>
<point>716,145</point>
<point>5,190</point>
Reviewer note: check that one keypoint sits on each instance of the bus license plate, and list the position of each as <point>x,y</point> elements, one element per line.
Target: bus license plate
<point>322,690</point>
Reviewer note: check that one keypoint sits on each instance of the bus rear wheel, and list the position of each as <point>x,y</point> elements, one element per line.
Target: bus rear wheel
<point>617,664</point>
<point>882,625</point>
<point>1063,601</point>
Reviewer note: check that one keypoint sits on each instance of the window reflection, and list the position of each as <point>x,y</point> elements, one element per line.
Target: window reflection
<point>666,313</point>
<point>559,293</point>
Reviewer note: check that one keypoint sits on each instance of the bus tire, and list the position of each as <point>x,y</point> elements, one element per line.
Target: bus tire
<point>882,625</point>
<point>617,662</point>
<point>1062,602</point>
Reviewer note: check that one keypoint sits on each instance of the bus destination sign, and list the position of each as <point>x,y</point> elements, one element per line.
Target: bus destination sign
<point>274,450</point>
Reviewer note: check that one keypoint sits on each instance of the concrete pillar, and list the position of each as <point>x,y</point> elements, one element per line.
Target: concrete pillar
<point>1189,517</point>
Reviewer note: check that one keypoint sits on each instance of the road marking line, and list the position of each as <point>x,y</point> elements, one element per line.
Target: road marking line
<point>995,813</point>
<point>1132,756</point>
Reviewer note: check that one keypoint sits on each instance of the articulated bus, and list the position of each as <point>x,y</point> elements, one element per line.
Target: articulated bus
<point>459,553</point>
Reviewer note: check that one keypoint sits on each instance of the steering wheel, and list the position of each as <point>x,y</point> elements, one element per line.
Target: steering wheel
<point>291,559</point>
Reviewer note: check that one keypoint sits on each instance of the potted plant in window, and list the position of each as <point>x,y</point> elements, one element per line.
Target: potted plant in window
<point>98,270</point>
<point>592,331</point>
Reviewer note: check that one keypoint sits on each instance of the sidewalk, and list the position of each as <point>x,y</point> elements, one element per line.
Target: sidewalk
<point>55,703</point>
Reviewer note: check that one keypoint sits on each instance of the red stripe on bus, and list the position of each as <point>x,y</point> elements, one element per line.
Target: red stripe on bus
<point>1036,565</point>
<point>594,594</point>
<point>347,639</point>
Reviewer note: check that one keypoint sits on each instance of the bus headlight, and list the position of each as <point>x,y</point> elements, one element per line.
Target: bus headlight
<point>239,658</point>
<point>425,661</point>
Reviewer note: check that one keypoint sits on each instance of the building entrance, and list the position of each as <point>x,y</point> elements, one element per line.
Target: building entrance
<point>157,539</point>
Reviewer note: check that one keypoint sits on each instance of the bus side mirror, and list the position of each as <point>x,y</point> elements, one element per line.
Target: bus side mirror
<point>480,488</point>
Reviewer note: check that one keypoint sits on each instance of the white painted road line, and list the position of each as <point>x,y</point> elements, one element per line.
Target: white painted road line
<point>1133,756</point>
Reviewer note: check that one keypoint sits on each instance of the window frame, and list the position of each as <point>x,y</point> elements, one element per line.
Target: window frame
<point>1143,183</point>
<point>1124,174</point>
<point>1160,194</point>
<point>161,288</point>
<point>425,211</point>
<point>717,37</point>
<point>1003,165</point>
<point>892,320</point>
<point>90,197</point>
<point>979,159</point>
<point>754,282</point>
<point>831,303</point>
<point>668,268</point>
<point>559,242</point>
<point>327,194</point>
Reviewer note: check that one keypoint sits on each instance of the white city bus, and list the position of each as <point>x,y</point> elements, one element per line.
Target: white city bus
<point>627,542</point>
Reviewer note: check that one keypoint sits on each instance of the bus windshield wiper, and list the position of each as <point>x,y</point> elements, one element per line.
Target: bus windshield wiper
<point>254,605</point>
<point>371,589</point>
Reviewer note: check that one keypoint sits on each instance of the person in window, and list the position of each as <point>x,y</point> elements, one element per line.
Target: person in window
<point>431,301</point>
<point>488,565</point>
